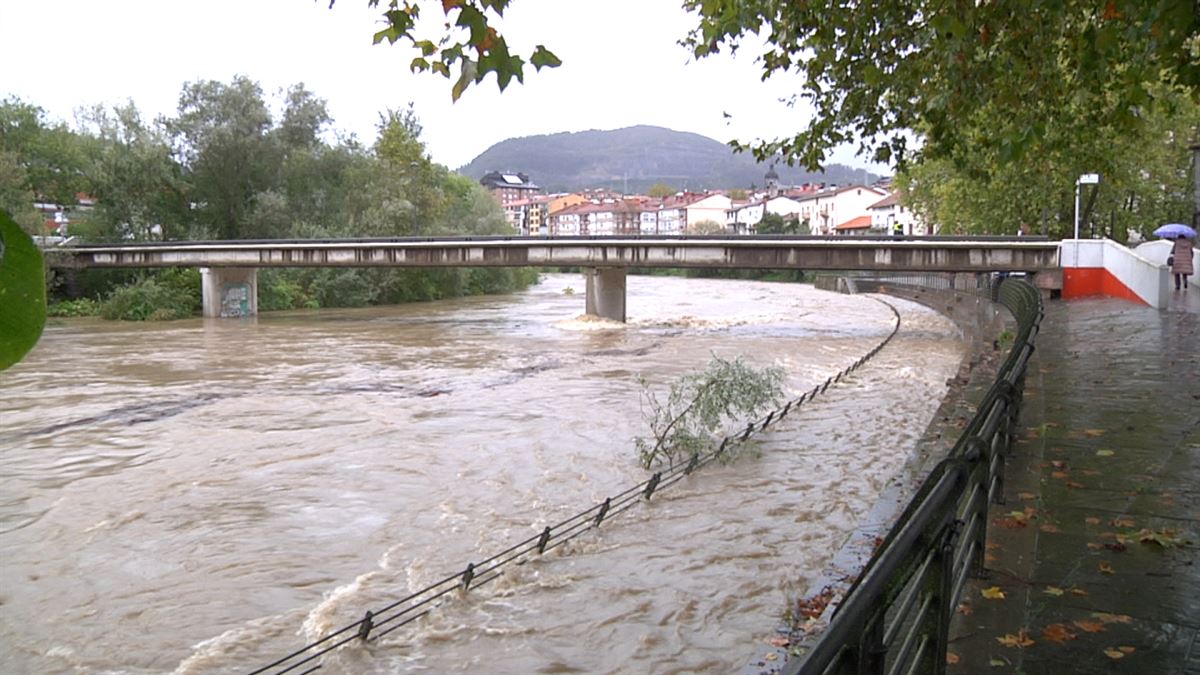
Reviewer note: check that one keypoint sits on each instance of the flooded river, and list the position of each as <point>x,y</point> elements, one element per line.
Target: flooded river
<point>203,497</point>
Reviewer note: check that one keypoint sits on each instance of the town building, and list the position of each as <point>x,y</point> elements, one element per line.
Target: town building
<point>890,216</point>
<point>509,187</point>
<point>826,209</point>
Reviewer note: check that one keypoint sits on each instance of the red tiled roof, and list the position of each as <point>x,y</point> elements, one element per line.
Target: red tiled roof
<point>859,223</point>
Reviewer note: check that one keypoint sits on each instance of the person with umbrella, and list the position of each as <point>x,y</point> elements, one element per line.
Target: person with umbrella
<point>1180,259</point>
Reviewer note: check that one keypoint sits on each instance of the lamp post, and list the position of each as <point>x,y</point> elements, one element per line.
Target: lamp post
<point>1085,179</point>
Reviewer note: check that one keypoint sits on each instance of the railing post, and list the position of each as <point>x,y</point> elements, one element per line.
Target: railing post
<point>942,585</point>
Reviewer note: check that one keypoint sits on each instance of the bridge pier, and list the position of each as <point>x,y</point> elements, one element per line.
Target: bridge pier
<point>606,292</point>
<point>229,292</point>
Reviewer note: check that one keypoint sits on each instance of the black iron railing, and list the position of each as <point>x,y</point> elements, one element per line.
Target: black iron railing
<point>895,618</point>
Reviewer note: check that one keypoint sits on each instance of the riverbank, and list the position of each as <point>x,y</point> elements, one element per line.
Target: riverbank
<point>983,326</point>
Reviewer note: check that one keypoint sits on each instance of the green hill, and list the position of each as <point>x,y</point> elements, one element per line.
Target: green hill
<point>634,158</point>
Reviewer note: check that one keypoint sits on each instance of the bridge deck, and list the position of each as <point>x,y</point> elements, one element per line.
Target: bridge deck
<point>954,254</point>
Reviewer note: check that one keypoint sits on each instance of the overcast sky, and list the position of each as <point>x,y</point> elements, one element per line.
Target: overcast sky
<point>621,66</point>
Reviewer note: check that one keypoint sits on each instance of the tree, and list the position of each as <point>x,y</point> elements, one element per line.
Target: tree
<point>468,44</point>
<point>1144,178</point>
<point>50,155</point>
<point>660,191</point>
<point>707,227</point>
<point>138,186</point>
<point>879,71</point>
<point>222,141</point>
<point>15,196</point>
<point>698,405</point>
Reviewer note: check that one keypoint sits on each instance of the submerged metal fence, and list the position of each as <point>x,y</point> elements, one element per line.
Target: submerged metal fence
<point>403,611</point>
<point>895,617</point>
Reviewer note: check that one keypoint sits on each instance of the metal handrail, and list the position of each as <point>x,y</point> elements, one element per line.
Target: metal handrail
<point>895,617</point>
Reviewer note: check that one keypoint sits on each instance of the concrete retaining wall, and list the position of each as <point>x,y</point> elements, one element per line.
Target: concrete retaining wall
<point>1104,267</point>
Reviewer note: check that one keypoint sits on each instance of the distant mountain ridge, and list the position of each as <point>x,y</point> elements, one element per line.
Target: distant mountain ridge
<point>634,158</point>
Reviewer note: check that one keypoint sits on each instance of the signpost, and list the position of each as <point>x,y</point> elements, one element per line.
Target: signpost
<point>1085,179</point>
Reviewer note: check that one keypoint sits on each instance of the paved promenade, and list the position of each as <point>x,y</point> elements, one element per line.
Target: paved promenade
<point>1094,558</point>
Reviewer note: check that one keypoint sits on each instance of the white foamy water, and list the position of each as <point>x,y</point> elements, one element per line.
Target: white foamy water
<point>203,497</point>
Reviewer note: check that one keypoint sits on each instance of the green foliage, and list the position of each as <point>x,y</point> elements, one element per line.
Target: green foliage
<point>699,405</point>
<point>22,292</point>
<point>74,308</point>
<point>660,190</point>
<point>280,290</point>
<point>707,227</point>
<point>1144,178</point>
<point>468,43</point>
<point>773,223</point>
<point>170,294</point>
<point>879,71</point>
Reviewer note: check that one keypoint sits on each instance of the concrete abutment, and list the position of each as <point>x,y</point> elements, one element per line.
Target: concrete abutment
<point>606,292</point>
<point>229,292</point>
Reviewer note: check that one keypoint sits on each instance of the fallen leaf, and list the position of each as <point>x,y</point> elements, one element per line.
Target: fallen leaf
<point>1075,484</point>
<point>1010,523</point>
<point>997,663</point>
<point>964,609</point>
<point>1105,453</point>
<point>951,659</point>
<point>1114,653</point>
<point>1094,546</point>
<point>1057,632</point>
<point>772,656</point>
<point>1165,538</point>
<point>1121,522</point>
<point>1058,474</point>
<point>1078,591</point>
<point>1058,464</point>
<point>1020,640</point>
<point>1051,528</point>
<point>1092,520</point>
<point>1090,472</point>
<point>1106,568</point>
<point>1026,496</point>
<point>1094,433</point>
<point>779,641</point>
<point>1116,546</point>
<point>991,545</point>
<point>1053,590</point>
<point>1105,617</point>
<point>993,593</point>
<point>1127,649</point>
<point>1089,626</point>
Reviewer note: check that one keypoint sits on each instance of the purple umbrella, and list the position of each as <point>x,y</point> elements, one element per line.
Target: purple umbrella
<point>1173,230</point>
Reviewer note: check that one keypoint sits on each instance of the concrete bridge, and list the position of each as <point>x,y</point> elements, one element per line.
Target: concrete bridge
<point>229,268</point>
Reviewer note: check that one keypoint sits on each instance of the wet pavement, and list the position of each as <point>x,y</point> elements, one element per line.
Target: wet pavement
<point>1092,559</point>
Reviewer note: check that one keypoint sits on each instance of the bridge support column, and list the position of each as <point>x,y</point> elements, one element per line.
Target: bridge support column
<point>229,292</point>
<point>606,292</point>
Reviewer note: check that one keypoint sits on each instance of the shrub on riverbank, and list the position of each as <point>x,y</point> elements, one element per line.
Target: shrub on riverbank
<point>167,295</point>
<point>74,308</point>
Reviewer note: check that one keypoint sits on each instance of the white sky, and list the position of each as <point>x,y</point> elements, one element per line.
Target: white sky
<point>621,66</point>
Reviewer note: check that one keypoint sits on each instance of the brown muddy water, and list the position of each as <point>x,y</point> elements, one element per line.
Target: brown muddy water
<point>205,496</point>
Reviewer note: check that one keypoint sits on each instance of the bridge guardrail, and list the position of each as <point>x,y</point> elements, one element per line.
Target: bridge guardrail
<point>895,617</point>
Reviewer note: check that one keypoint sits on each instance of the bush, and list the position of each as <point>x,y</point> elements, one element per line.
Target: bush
<point>72,308</point>
<point>158,298</point>
<point>278,291</point>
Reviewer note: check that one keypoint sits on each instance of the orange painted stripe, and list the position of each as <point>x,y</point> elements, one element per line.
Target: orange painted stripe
<point>1083,282</point>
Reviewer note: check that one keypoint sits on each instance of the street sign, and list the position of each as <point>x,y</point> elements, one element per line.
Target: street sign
<point>1089,179</point>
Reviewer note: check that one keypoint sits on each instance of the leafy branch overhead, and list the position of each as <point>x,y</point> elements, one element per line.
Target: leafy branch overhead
<point>883,73</point>
<point>699,405</point>
<point>468,43</point>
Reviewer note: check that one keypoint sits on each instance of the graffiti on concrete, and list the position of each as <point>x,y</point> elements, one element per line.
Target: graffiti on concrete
<point>235,300</point>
